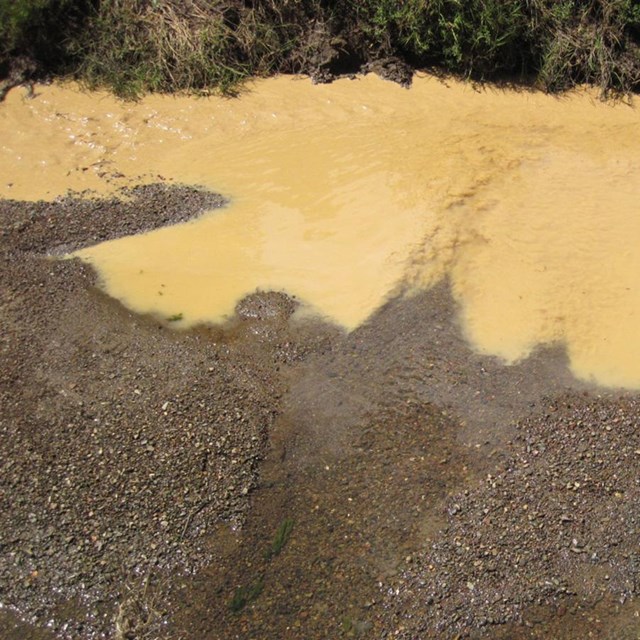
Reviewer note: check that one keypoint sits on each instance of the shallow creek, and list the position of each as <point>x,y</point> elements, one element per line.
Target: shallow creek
<point>348,194</point>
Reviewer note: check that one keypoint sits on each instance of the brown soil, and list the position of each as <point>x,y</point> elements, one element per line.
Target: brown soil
<point>420,490</point>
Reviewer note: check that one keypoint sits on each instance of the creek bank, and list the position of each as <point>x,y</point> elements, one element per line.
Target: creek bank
<point>146,472</point>
<point>124,443</point>
<point>201,46</point>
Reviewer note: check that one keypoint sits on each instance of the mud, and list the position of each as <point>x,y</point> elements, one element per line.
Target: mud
<point>432,491</point>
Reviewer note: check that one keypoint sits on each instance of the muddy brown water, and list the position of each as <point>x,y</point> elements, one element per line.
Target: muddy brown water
<point>459,272</point>
<point>342,194</point>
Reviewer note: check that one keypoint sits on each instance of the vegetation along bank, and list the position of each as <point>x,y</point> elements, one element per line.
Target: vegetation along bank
<point>136,46</point>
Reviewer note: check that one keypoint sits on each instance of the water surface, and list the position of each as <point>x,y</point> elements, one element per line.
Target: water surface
<point>346,194</point>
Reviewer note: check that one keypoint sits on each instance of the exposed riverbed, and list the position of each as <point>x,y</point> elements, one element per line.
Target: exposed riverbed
<point>455,270</point>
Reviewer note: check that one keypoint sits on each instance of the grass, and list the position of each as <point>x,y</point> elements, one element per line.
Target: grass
<point>597,42</point>
<point>137,46</point>
<point>170,46</point>
<point>176,317</point>
<point>280,540</point>
<point>139,613</point>
<point>246,595</point>
<point>37,30</point>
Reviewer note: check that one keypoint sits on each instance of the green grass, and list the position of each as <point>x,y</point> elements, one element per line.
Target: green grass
<point>176,317</point>
<point>37,30</point>
<point>139,46</point>
<point>281,538</point>
<point>245,595</point>
<point>471,37</point>
<point>17,19</point>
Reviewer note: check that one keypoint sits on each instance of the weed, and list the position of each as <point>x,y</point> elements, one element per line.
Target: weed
<point>138,46</point>
<point>139,612</point>
<point>176,317</point>
<point>246,595</point>
<point>281,538</point>
<point>478,37</point>
<point>21,18</point>
<point>36,30</point>
<point>596,42</point>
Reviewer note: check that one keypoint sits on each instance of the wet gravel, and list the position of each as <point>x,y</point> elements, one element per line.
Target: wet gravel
<point>123,443</point>
<point>555,525</point>
<point>79,220</point>
<point>432,491</point>
<point>357,516</point>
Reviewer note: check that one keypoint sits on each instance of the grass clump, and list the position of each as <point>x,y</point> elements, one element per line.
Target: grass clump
<point>555,43</point>
<point>15,20</point>
<point>23,21</point>
<point>595,42</point>
<point>159,45</point>
<point>139,613</point>
<point>475,37</point>
<point>245,595</point>
<point>280,540</point>
<point>34,33</point>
